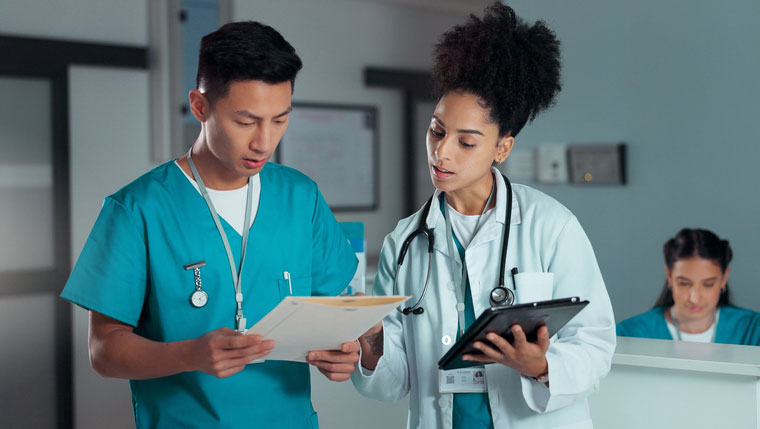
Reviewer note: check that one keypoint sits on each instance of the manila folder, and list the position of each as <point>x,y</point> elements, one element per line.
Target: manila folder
<point>302,323</point>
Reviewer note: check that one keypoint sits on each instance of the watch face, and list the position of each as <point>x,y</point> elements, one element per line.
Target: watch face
<point>199,298</point>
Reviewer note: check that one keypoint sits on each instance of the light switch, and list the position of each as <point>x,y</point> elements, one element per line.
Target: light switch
<point>551,163</point>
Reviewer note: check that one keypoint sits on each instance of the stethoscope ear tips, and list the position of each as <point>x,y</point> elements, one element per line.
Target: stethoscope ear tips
<point>418,311</point>
<point>406,311</point>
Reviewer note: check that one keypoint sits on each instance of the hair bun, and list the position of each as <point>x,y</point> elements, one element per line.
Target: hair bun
<point>511,66</point>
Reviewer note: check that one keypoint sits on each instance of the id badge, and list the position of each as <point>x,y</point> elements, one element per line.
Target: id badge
<point>464,380</point>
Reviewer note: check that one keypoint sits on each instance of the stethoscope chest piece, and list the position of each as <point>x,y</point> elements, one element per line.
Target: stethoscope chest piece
<point>501,296</point>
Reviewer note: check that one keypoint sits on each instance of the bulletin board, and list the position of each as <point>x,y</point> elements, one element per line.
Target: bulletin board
<point>337,147</point>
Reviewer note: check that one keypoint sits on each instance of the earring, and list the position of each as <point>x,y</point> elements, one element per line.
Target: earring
<point>723,290</point>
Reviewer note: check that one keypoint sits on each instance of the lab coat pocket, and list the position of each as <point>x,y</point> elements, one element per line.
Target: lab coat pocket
<point>294,286</point>
<point>532,287</point>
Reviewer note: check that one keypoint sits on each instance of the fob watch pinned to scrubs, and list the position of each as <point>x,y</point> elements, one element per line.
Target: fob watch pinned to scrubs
<point>199,297</point>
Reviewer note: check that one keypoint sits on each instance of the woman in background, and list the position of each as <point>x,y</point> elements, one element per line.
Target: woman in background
<point>694,304</point>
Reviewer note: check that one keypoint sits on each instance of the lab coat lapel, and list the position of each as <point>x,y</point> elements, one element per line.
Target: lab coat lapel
<point>436,221</point>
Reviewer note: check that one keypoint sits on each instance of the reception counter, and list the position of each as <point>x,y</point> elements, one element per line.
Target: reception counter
<point>675,384</point>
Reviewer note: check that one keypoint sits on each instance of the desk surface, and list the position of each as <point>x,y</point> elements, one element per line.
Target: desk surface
<point>684,355</point>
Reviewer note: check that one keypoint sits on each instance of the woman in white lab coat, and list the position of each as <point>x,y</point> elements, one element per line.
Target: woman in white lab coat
<point>491,76</point>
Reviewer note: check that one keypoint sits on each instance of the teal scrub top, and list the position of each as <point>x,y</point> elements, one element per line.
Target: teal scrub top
<point>735,326</point>
<point>132,269</point>
<point>470,410</point>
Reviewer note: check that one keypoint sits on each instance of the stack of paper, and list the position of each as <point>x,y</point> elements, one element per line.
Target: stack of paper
<point>303,323</point>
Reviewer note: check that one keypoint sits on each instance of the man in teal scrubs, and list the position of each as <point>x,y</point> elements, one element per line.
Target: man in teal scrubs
<point>171,278</point>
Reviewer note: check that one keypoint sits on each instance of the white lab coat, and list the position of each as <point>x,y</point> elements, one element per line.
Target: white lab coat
<point>555,260</point>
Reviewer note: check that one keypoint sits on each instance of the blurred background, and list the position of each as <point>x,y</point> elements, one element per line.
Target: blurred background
<point>95,94</point>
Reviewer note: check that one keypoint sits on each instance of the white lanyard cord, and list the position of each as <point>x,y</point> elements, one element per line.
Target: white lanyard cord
<point>236,275</point>
<point>449,242</point>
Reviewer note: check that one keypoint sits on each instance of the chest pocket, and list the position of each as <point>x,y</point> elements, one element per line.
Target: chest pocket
<point>533,287</point>
<point>296,286</point>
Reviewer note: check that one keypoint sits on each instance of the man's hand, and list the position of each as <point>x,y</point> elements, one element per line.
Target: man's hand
<point>337,365</point>
<point>225,352</point>
<point>523,356</point>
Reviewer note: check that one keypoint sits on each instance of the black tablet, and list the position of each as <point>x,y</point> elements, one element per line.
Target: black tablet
<point>554,314</point>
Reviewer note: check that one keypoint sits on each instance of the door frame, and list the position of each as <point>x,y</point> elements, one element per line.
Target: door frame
<point>51,59</point>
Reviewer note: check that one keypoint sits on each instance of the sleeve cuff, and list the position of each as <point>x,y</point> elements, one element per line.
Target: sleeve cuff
<point>364,372</point>
<point>536,394</point>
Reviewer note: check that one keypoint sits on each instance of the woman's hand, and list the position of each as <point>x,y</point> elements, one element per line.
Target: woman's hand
<point>523,356</point>
<point>372,344</point>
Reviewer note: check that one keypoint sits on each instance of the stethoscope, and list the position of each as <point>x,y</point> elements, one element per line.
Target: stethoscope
<point>500,295</point>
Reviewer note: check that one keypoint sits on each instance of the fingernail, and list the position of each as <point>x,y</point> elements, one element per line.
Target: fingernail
<point>312,356</point>
<point>491,336</point>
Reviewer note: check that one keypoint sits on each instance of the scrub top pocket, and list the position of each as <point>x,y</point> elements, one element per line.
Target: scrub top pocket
<point>532,287</point>
<point>301,286</point>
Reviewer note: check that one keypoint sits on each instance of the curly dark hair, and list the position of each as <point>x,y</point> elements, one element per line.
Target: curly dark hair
<point>512,67</point>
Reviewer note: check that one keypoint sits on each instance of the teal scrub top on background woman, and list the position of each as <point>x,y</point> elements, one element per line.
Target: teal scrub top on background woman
<point>735,326</point>
<point>132,269</point>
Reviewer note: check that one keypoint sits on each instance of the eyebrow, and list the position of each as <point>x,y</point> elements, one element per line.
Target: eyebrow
<point>702,280</point>
<point>258,118</point>
<point>459,131</point>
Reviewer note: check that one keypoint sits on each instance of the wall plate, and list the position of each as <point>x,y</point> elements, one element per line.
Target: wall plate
<point>599,164</point>
<point>551,163</point>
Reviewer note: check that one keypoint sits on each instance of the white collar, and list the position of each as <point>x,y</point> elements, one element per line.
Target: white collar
<point>437,223</point>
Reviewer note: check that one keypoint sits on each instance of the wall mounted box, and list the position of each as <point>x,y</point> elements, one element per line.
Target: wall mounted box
<point>599,164</point>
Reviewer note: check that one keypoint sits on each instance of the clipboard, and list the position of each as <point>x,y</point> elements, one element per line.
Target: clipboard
<point>554,314</point>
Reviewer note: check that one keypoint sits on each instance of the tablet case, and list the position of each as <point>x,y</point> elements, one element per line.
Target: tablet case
<point>530,316</point>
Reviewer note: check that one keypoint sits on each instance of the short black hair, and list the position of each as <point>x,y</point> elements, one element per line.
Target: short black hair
<point>512,67</point>
<point>244,51</point>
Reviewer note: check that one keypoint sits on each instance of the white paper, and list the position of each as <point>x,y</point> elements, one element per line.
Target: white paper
<point>301,323</point>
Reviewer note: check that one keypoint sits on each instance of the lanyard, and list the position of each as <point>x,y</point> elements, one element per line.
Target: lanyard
<point>449,240</point>
<point>235,273</point>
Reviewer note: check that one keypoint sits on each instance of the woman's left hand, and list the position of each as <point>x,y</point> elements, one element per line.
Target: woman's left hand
<point>523,356</point>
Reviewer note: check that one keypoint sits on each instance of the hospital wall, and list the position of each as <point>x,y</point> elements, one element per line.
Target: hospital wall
<point>678,82</point>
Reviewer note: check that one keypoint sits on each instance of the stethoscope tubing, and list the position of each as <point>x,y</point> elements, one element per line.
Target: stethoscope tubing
<point>422,229</point>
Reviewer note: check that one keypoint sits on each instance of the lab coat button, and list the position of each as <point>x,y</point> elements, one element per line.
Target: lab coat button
<point>460,306</point>
<point>450,285</point>
<point>446,340</point>
<point>443,402</point>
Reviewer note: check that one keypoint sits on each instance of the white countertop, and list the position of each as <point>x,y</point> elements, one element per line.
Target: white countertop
<point>705,357</point>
